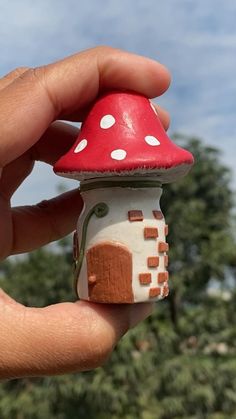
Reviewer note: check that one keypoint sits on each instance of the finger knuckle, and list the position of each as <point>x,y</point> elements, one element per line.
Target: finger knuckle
<point>35,75</point>
<point>17,72</point>
<point>38,76</point>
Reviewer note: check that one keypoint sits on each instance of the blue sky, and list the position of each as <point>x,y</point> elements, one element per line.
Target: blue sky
<point>195,39</point>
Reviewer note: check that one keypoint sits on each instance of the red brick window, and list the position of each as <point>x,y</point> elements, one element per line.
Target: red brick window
<point>135,215</point>
<point>152,261</point>
<point>145,278</point>
<point>166,260</point>
<point>163,247</point>
<point>150,232</point>
<point>162,277</point>
<point>165,291</point>
<point>157,214</point>
<point>154,292</point>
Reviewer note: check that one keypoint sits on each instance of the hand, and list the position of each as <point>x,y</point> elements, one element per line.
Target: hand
<point>64,337</point>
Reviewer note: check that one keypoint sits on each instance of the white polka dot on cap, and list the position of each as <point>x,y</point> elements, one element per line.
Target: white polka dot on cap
<point>81,146</point>
<point>151,140</point>
<point>118,154</point>
<point>107,121</point>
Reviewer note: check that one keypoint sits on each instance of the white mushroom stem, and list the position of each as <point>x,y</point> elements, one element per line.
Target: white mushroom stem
<point>116,227</point>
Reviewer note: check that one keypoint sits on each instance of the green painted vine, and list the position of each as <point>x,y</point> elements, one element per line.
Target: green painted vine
<point>100,210</point>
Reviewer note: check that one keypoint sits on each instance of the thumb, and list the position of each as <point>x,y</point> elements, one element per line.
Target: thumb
<point>62,338</point>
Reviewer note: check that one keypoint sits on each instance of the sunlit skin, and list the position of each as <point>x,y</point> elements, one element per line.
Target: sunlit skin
<point>64,337</point>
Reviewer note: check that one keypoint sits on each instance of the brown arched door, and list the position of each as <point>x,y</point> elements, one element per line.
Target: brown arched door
<point>109,268</point>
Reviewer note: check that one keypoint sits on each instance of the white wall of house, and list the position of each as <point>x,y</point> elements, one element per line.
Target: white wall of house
<point>116,227</point>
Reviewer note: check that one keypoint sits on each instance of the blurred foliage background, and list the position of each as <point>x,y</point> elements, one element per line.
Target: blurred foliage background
<point>179,363</point>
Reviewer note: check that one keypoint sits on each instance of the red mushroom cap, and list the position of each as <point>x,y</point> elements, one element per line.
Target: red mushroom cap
<point>122,135</point>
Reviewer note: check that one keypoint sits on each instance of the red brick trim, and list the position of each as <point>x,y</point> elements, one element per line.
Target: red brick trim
<point>135,215</point>
<point>162,277</point>
<point>158,214</point>
<point>154,292</point>
<point>165,291</point>
<point>150,232</point>
<point>145,278</point>
<point>166,260</point>
<point>163,247</point>
<point>152,261</point>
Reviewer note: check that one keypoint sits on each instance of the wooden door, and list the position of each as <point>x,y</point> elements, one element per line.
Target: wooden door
<point>109,268</point>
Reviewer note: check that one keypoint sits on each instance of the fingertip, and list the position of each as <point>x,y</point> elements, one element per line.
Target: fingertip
<point>87,335</point>
<point>164,116</point>
<point>160,78</point>
<point>125,70</point>
<point>64,338</point>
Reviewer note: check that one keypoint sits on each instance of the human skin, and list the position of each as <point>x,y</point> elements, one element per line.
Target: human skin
<point>65,337</point>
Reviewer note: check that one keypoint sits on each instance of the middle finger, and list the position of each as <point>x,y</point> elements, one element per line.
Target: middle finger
<point>55,142</point>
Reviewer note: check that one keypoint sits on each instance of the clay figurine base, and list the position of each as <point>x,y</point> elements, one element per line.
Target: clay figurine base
<point>121,235</point>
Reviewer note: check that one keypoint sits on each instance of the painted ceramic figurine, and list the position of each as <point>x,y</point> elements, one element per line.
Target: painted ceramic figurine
<point>122,157</point>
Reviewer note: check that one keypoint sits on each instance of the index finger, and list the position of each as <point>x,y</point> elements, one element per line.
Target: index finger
<point>39,96</point>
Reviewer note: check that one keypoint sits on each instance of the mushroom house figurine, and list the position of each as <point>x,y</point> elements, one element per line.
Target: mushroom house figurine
<point>122,157</point>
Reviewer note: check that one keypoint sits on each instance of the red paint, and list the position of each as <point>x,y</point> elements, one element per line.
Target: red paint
<point>134,120</point>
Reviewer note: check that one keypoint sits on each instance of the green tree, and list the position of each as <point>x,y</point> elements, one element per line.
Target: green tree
<point>41,278</point>
<point>199,211</point>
